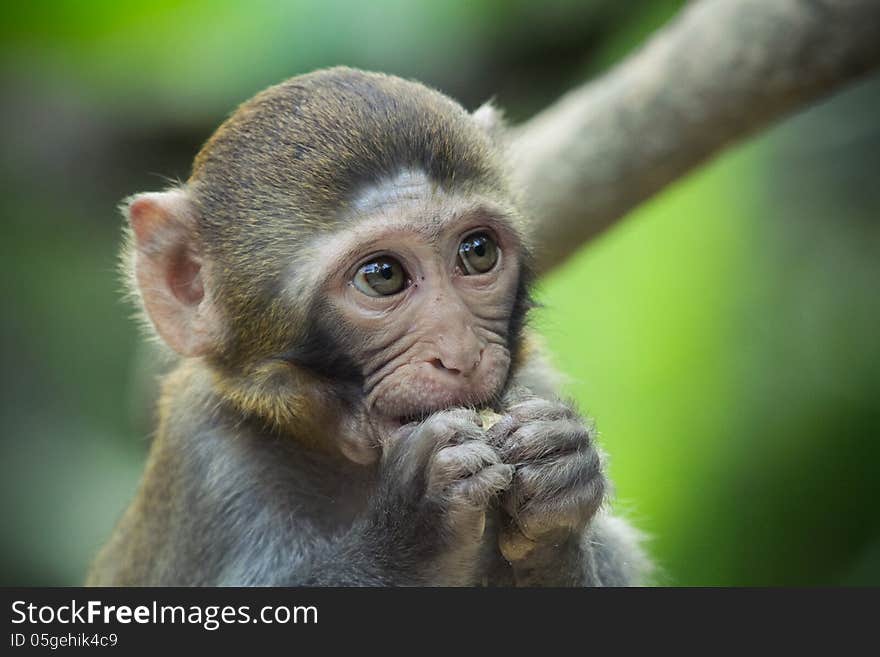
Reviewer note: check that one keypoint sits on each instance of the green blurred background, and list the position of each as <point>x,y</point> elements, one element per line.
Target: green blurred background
<point>725,336</point>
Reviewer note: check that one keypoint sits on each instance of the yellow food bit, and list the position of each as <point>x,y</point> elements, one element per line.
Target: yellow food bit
<point>488,417</point>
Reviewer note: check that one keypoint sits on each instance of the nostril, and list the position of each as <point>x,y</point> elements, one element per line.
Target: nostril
<point>436,362</point>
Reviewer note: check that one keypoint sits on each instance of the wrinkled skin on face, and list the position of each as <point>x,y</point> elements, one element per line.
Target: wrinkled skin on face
<point>442,339</point>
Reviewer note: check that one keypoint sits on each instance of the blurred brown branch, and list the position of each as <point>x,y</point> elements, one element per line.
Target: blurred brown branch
<point>720,71</point>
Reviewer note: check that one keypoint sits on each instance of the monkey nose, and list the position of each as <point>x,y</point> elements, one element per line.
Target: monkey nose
<point>463,364</point>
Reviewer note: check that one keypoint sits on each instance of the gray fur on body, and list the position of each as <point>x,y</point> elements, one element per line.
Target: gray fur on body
<point>223,503</point>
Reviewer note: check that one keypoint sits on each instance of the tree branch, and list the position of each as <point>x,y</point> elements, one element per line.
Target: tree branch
<point>717,73</point>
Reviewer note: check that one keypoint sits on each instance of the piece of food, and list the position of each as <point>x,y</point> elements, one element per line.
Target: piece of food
<point>488,417</point>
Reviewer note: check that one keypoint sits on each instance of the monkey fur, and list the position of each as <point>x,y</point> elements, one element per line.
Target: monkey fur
<point>320,425</point>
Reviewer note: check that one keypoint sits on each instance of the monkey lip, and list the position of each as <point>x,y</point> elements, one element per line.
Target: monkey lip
<point>418,407</point>
<point>414,417</point>
<point>394,422</point>
<point>390,420</point>
<point>388,424</point>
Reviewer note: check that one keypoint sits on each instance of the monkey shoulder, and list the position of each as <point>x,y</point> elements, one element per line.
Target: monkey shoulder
<point>210,470</point>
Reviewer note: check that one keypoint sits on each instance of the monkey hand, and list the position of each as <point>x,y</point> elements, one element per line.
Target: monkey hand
<point>438,480</point>
<point>558,482</point>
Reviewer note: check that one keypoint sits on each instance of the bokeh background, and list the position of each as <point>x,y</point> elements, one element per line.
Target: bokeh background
<point>726,336</point>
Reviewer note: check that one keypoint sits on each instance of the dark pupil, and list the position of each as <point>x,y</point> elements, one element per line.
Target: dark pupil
<point>387,271</point>
<point>479,246</point>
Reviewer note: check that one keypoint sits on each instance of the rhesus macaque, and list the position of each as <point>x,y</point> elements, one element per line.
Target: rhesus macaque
<point>345,278</point>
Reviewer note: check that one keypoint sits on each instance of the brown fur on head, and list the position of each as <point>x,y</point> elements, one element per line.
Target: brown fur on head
<point>229,264</point>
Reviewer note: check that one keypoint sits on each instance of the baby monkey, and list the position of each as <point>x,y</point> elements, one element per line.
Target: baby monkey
<point>345,279</point>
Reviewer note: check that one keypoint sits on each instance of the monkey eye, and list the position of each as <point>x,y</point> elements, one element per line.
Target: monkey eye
<point>381,277</point>
<point>477,253</point>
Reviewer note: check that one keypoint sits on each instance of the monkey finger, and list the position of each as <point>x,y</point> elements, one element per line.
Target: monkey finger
<point>558,479</point>
<point>478,489</point>
<point>536,408</point>
<point>459,461</point>
<point>572,511</point>
<point>410,451</point>
<point>464,424</point>
<point>415,447</point>
<point>543,439</point>
<point>543,497</point>
<point>499,433</point>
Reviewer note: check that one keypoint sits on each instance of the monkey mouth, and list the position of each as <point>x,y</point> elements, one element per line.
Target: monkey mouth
<point>417,391</point>
<point>396,421</point>
<point>413,418</point>
<point>388,424</point>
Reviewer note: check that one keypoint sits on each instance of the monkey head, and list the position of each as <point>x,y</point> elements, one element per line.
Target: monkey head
<point>346,257</point>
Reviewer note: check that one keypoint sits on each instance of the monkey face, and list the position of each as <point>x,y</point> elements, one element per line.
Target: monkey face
<point>423,284</point>
<point>345,257</point>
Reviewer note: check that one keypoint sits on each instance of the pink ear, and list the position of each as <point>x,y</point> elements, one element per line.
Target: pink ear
<point>147,213</point>
<point>169,271</point>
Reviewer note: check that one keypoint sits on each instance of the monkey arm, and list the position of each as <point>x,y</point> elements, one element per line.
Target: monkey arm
<point>606,553</point>
<point>243,507</point>
<point>354,559</point>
